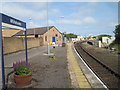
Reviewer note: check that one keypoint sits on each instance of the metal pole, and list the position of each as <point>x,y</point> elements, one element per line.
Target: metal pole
<point>2,55</point>
<point>62,17</point>
<point>34,32</point>
<point>48,47</point>
<point>26,53</point>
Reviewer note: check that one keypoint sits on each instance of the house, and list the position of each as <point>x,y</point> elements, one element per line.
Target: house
<point>79,38</point>
<point>45,34</point>
<point>108,40</point>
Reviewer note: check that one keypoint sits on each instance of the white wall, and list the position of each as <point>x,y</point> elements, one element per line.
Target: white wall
<point>108,40</point>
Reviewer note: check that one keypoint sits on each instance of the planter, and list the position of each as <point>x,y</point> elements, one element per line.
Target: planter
<point>23,80</point>
<point>63,44</point>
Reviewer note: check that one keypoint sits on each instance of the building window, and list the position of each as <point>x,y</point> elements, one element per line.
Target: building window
<point>45,38</point>
<point>36,36</point>
<point>56,35</point>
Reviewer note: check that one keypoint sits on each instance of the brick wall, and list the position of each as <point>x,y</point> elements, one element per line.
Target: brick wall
<point>16,44</point>
<point>33,42</point>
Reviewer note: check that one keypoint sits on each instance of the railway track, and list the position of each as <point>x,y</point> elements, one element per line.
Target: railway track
<point>108,75</point>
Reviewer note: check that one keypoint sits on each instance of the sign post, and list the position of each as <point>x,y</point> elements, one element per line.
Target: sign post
<point>7,21</point>
<point>26,46</point>
<point>2,56</point>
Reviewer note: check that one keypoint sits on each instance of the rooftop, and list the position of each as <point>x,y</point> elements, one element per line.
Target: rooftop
<point>32,31</point>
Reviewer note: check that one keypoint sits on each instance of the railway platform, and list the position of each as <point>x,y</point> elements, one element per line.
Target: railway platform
<point>47,72</point>
<point>81,75</point>
<point>53,73</point>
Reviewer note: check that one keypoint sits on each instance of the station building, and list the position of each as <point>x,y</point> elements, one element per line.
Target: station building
<point>45,34</point>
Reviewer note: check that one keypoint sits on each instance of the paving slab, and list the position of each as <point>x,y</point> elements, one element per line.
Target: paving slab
<point>52,73</point>
<point>19,56</point>
<point>49,72</point>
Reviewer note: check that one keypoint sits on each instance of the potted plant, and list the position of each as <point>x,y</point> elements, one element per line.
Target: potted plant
<point>23,74</point>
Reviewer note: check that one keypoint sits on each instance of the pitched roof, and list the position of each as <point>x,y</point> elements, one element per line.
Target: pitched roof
<point>32,31</point>
<point>6,32</point>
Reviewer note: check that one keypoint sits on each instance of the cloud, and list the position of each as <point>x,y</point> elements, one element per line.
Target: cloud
<point>83,10</point>
<point>54,12</point>
<point>32,5</point>
<point>33,25</point>
<point>21,12</point>
<point>70,22</point>
<point>85,13</point>
<point>85,20</point>
<point>28,0</point>
<point>60,0</point>
<point>65,22</point>
<point>86,0</point>
<point>35,11</point>
<point>51,22</point>
<point>89,20</point>
<point>112,24</point>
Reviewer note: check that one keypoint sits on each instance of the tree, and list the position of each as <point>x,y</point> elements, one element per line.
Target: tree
<point>99,37</point>
<point>70,35</point>
<point>117,34</point>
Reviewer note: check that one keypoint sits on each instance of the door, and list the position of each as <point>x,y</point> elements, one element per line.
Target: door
<point>53,39</point>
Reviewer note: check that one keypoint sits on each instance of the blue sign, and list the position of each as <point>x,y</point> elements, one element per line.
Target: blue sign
<point>12,21</point>
<point>8,21</point>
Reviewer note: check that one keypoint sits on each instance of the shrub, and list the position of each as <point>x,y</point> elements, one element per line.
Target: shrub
<point>22,68</point>
<point>20,63</point>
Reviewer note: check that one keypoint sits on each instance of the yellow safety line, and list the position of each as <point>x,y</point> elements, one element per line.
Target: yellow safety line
<point>82,81</point>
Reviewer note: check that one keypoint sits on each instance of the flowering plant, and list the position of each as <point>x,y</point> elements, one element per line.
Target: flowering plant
<point>22,68</point>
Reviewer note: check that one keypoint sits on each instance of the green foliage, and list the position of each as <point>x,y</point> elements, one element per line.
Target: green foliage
<point>71,35</point>
<point>116,46</point>
<point>23,70</point>
<point>99,37</point>
<point>117,34</point>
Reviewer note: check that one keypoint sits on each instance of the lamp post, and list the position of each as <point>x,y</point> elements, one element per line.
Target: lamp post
<point>64,39</point>
<point>32,25</point>
<point>61,16</point>
<point>48,47</point>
